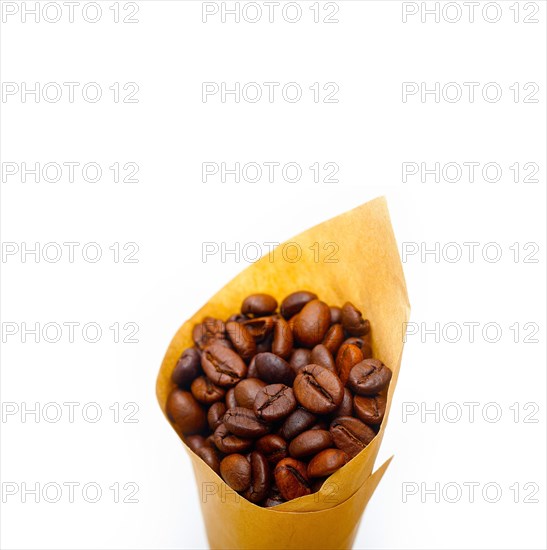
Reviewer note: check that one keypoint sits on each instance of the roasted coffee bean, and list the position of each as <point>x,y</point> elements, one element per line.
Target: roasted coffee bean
<point>231,401</point>
<point>300,357</point>
<point>246,390</point>
<point>187,369</point>
<point>205,391</point>
<point>363,343</point>
<point>210,457</point>
<point>347,357</point>
<point>296,423</point>
<point>236,472</point>
<point>334,338</point>
<point>351,435</point>
<point>228,443</point>
<point>312,323</point>
<point>244,423</point>
<point>274,402</point>
<point>260,478</point>
<point>265,345</point>
<point>346,407</point>
<point>282,338</point>
<point>335,314</point>
<point>241,339</point>
<point>223,366</point>
<point>310,443</point>
<point>327,462</point>
<point>318,389</point>
<point>259,328</point>
<point>214,415</point>
<point>237,317</point>
<point>273,447</point>
<point>370,410</point>
<point>274,370</point>
<point>291,478</point>
<point>321,425</point>
<point>185,412</point>
<point>195,442</point>
<point>259,305</point>
<point>208,331</point>
<point>320,355</point>
<point>369,377</point>
<point>352,320</point>
<point>274,497</point>
<point>294,303</point>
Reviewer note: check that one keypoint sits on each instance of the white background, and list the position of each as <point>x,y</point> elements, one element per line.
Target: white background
<point>170,213</point>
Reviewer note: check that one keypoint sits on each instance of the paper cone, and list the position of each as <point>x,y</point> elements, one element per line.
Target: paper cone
<point>368,273</point>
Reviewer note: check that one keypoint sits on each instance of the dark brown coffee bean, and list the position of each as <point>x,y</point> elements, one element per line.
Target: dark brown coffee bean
<point>259,305</point>
<point>208,331</point>
<point>244,423</point>
<point>321,425</point>
<point>260,478</point>
<point>334,338</point>
<point>291,478</point>
<point>246,390</point>
<point>351,435</point>
<point>195,442</point>
<point>231,401</point>
<point>274,497</point>
<point>237,317</point>
<point>346,407</point>
<point>294,303</point>
<point>299,421</point>
<point>214,415</point>
<point>312,323</point>
<point>273,447</point>
<point>265,345</point>
<point>347,357</point>
<point>370,410</point>
<point>320,355</point>
<point>352,320</point>
<point>228,443</point>
<point>185,412</point>
<point>236,472</point>
<point>223,366</point>
<point>210,457</point>
<point>205,391</point>
<point>187,369</point>
<point>310,443</point>
<point>369,377</point>
<point>300,357</point>
<point>363,343</point>
<point>274,370</point>
<point>274,402</point>
<point>327,462</point>
<point>259,328</point>
<point>241,339</point>
<point>282,338</point>
<point>335,314</point>
<point>318,389</point>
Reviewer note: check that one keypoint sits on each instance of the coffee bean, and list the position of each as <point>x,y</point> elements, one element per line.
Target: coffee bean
<point>208,331</point>
<point>237,317</point>
<point>259,305</point>
<point>187,369</point>
<point>274,402</point>
<point>363,343</point>
<point>327,462</point>
<point>291,478</point>
<point>351,435</point>
<point>273,447</point>
<point>296,423</point>
<point>246,390</point>
<point>370,410</point>
<point>320,355</point>
<point>318,389</point>
<point>235,470</point>
<point>369,377</point>
<point>214,415</point>
<point>312,323</point>
<point>272,369</point>
<point>244,423</point>
<point>352,320</point>
<point>300,357</point>
<point>335,314</point>
<point>265,345</point>
<point>309,443</point>
<point>347,357</point>
<point>205,391</point>
<point>282,338</point>
<point>228,443</point>
<point>231,401</point>
<point>274,497</point>
<point>241,339</point>
<point>260,478</point>
<point>195,442</point>
<point>294,302</point>
<point>333,338</point>
<point>346,407</point>
<point>210,457</point>
<point>259,328</point>
<point>185,412</point>
<point>223,366</point>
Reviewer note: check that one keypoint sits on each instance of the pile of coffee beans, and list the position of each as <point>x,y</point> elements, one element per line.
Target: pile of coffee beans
<point>275,402</point>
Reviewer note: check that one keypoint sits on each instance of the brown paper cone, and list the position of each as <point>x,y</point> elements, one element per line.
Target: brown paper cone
<point>368,272</point>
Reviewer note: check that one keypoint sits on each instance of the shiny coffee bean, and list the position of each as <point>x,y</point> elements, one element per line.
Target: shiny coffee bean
<point>237,317</point>
<point>335,314</point>
<point>363,343</point>
<point>320,355</point>
<point>296,423</point>
<point>352,320</point>
<point>265,345</point>
<point>369,377</point>
<point>273,447</point>
<point>312,323</point>
<point>282,338</point>
<point>370,410</point>
<point>214,415</point>
<point>300,357</point>
<point>259,305</point>
<point>208,331</point>
<point>260,478</point>
<point>246,390</point>
<point>223,366</point>
<point>210,457</point>
<point>274,402</point>
<point>310,443</point>
<point>333,338</point>
<point>236,472</point>
<point>259,328</point>
<point>318,389</point>
<point>351,435</point>
<point>241,339</point>
<point>327,462</point>
<point>244,423</point>
<point>274,370</point>
<point>346,407</point>
<point>291,478</point>
<point>347,357</point>
<point>195,442</point>
<point>294,302</point>
<point>251,371</point>
<point>187,369</point>
<point>231,401</point>
<point>205,391</point>
<point>185,412</point>
<point>228,443</point>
